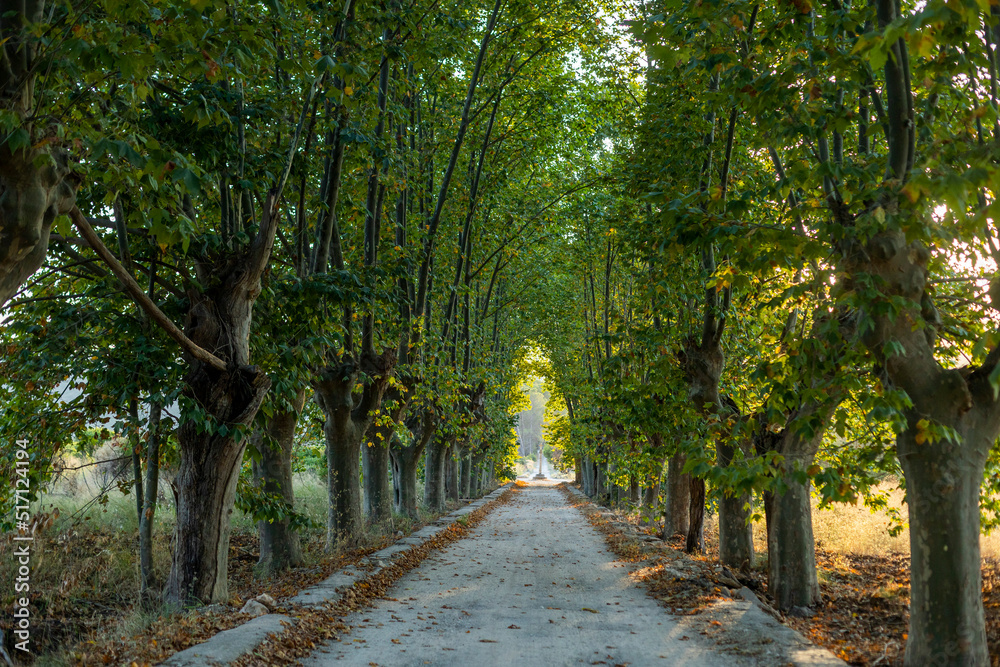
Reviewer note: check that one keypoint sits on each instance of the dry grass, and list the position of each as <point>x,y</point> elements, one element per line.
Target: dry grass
<point>85,578</point>
<point>858,530</point>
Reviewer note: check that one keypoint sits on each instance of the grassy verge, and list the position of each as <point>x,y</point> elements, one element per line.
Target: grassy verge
<point>85,577</point>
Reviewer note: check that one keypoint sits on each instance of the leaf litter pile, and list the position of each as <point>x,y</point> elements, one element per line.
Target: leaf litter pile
<point>171,633</point>
<point>177,631</point>
<point>862,617</point>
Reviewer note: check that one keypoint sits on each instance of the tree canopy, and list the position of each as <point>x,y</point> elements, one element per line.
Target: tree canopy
<point>755,244</point>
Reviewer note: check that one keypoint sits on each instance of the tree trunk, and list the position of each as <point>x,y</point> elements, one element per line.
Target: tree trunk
<point>943,470</point>
<point>146,583</point>
<point>466,476</point>
<point>434,473</point>
<point>343,451</point>
<point>35,180</point>
<point>345,518</point>
<point>345,428</point>
<point>133,408</point>
<point>601,482</point>
<point>792,578</point>
<point>677,504</point>
<point>649,505</point>
<point>695,542</point>
<point>211,442</point>
<point>578,471</point>
<point>947,622</point>
<point>406,461</point>
<point>634,495</point>
<point>651,495</point>
<point>375,465</point>
<point>280,547</point>
<point>404,480</point>
<point>206,491</point>
<point>735,529</point>
<point>478,475</point>
<point>455,471</point>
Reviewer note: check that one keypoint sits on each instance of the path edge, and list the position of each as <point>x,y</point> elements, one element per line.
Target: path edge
<point>235,643</point>
<point>801,652</point>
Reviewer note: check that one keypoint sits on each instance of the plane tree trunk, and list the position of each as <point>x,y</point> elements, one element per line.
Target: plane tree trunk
<point>35,180</point>
<point>455,470</point>
<point>478,475</point>
<point>434,471</point>
<point>466,477</point>
<point>375,460</point>
<point>344,429</point>
<point>375,471</point>
<point>950,429</point>
<point>702,364</point>
<point>212,440</point>
<point>735,529</point>
<point>280,546</point>
<point>406,461</point>
<point>150,489</point>
<point>677,501</point>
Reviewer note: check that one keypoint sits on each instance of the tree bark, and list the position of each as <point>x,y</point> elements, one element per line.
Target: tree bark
<point>702,364</point>
<point>478,475</point>
<point>35,181</point>
<point>947,621</point>
<point>344,429</point>
<point>651,495</point>
<point>634,495</point>
<point>466,477</point>
<point>676,506</point>
<point>375,467</point>
<point>943,474</point>
<point>375,460</point>
<point>406,461</point>
<point>735,529</point>
<point>434,472</point>
<point>404,479</point>
<point>280,547</point>
<point>695,542</point>
<point>151,487</point>
<point>455,469</point>
<point>212,441</point>
<point>792,577</point>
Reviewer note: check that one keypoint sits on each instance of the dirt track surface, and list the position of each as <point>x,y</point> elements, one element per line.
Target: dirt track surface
<point>533,585</point>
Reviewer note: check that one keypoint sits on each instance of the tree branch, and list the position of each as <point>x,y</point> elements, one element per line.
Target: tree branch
<point>139,295</point>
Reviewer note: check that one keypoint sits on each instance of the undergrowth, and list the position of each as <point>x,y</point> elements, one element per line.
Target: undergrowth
<point>85,576</point>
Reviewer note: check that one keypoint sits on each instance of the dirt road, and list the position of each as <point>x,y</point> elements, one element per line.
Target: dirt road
<point>533,585</point>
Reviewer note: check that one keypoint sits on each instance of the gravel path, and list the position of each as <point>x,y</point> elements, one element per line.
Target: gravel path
<point>533,585</point>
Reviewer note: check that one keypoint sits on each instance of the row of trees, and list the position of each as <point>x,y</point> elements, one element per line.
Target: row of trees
<point>250,215</point>
<point>756,262</point>
<point>791,289</point>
